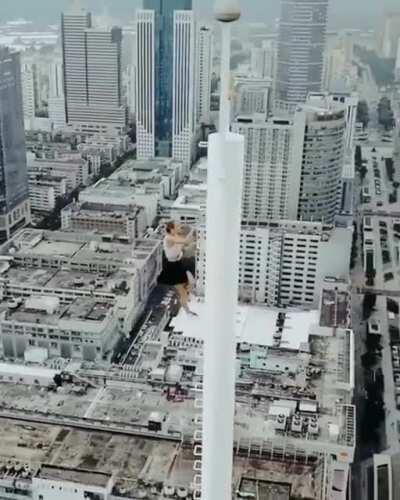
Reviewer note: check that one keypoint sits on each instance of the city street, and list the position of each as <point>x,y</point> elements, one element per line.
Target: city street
<point>381,218</point>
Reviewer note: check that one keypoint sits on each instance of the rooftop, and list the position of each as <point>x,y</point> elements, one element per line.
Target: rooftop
<point>191,196</point>
<point>85,477</point>
<point>90,310</point>
<point>255,325</point>
<point>121,193</point>
<point>63,279</point>
<point>103,210</point>
<point>78,248</point>
<point>64,161</point>
<point>154,164</point>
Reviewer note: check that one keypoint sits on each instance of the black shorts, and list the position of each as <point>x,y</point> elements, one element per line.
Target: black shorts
<point>174,273</point>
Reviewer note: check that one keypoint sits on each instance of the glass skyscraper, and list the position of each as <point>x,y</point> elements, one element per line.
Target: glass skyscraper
<point>14,190</point>
<point>164,64</point>
<point>301,45</point>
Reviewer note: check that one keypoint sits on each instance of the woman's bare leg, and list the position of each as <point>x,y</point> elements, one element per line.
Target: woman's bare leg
<point>182,293</point>
<point>189,289</point>
<point>184,298</point>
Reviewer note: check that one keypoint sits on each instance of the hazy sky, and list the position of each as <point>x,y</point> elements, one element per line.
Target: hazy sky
<point>344,13</point>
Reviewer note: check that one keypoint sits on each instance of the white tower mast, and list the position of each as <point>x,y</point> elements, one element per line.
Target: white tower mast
<point>225,167</point>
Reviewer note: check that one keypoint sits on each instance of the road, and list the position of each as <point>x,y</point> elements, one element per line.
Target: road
<point>383,215</point>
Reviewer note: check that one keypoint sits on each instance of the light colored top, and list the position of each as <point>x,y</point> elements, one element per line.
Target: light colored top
<point>173,251</point>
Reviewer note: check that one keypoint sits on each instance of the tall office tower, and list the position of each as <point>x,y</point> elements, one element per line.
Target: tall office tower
<point>183,98</point>
<point>203,73</point>
<point>301,44</point>
<point>163,39</point>
<point>14,195</point>
<point>92,75</point>
<point>56,95</point>
<point>273,160</point>
<point>145,84</point>
<point>262,62</point>
<point>323,127</point>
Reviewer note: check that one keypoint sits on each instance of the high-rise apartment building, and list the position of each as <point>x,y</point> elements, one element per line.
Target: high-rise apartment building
<point>92,75</point>
<point>294,166</point>
<point>203,73</point>
<point>284,263</point>
<point>272,168</point>
<point>323,157</point>
<point>129,83</point>
<point>391,34</point>
<point>335,68</point>
<point>251,95</point>
<point>56,94</point>
<point>14,196</point>
<point>350,101</point>
<point>262,63</point>
<point>29,92</point>
<point>301,43</point>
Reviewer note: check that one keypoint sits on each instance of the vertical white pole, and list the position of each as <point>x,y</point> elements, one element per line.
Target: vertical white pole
<point>224,111</point>
<point>224,191</point>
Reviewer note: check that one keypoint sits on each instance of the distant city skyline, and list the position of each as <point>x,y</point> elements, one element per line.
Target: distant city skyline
<point>361,13</point>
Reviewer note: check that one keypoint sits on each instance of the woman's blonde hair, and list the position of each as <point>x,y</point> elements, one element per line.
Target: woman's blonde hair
<point>169,226</point>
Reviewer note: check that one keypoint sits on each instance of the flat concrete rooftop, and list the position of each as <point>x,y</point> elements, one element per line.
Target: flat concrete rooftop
<point>82,309</point>
<point>77,246</point>
<point>254,325</point>
<point>61,279</point>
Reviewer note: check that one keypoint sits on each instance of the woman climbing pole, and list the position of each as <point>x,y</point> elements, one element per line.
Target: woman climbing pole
<point>177,271</point>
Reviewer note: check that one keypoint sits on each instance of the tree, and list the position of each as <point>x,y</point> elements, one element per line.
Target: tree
<point>354,252</point>
<point>389,168</point>
<point>363,113</point>
<point>358,156</point>
<point>369,302</point>
<point>393,197</point>
<point>385,114</point>
<point>363,172</point>
<point>394,333</point>
<point>392,306</point>
<point>58,380</point>
<point>382,69</point>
